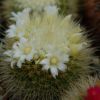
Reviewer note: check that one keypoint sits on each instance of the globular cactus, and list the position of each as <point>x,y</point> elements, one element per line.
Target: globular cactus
<point>43,55</point>
<point>85,89</point>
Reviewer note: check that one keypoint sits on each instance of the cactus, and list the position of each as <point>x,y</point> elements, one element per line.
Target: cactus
<point>29,69</point>
<point>79,91</point>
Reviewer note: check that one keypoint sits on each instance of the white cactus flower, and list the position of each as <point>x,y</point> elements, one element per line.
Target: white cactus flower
<point>22,20</point>
<point>22,50</point>
<point>55,61</point>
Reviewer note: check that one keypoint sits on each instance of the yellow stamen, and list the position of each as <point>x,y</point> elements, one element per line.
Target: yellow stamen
<point>27,50</point>
<point>54,61</point>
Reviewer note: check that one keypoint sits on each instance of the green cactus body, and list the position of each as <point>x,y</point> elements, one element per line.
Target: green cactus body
<point>29,83</point>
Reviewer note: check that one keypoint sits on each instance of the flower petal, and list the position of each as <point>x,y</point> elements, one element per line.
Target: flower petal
<point>45,67</point>
<point>62,67</point>
<point>18,53</point>
<point>44,62</point>
<point>23,40</point>
<point>12,63</point>
<point>19,64</point>
<point>54,72</point>
<point>21,60</point>
<point>65,58</point>
<point>29,57</point>
<point>8,53</point>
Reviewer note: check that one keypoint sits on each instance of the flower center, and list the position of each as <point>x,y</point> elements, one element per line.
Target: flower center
<point>54,61</point>
<point>27,50</point>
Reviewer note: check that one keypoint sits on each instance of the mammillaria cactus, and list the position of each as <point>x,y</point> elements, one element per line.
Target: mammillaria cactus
<point>85,89</point>
<point>42,55</point>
